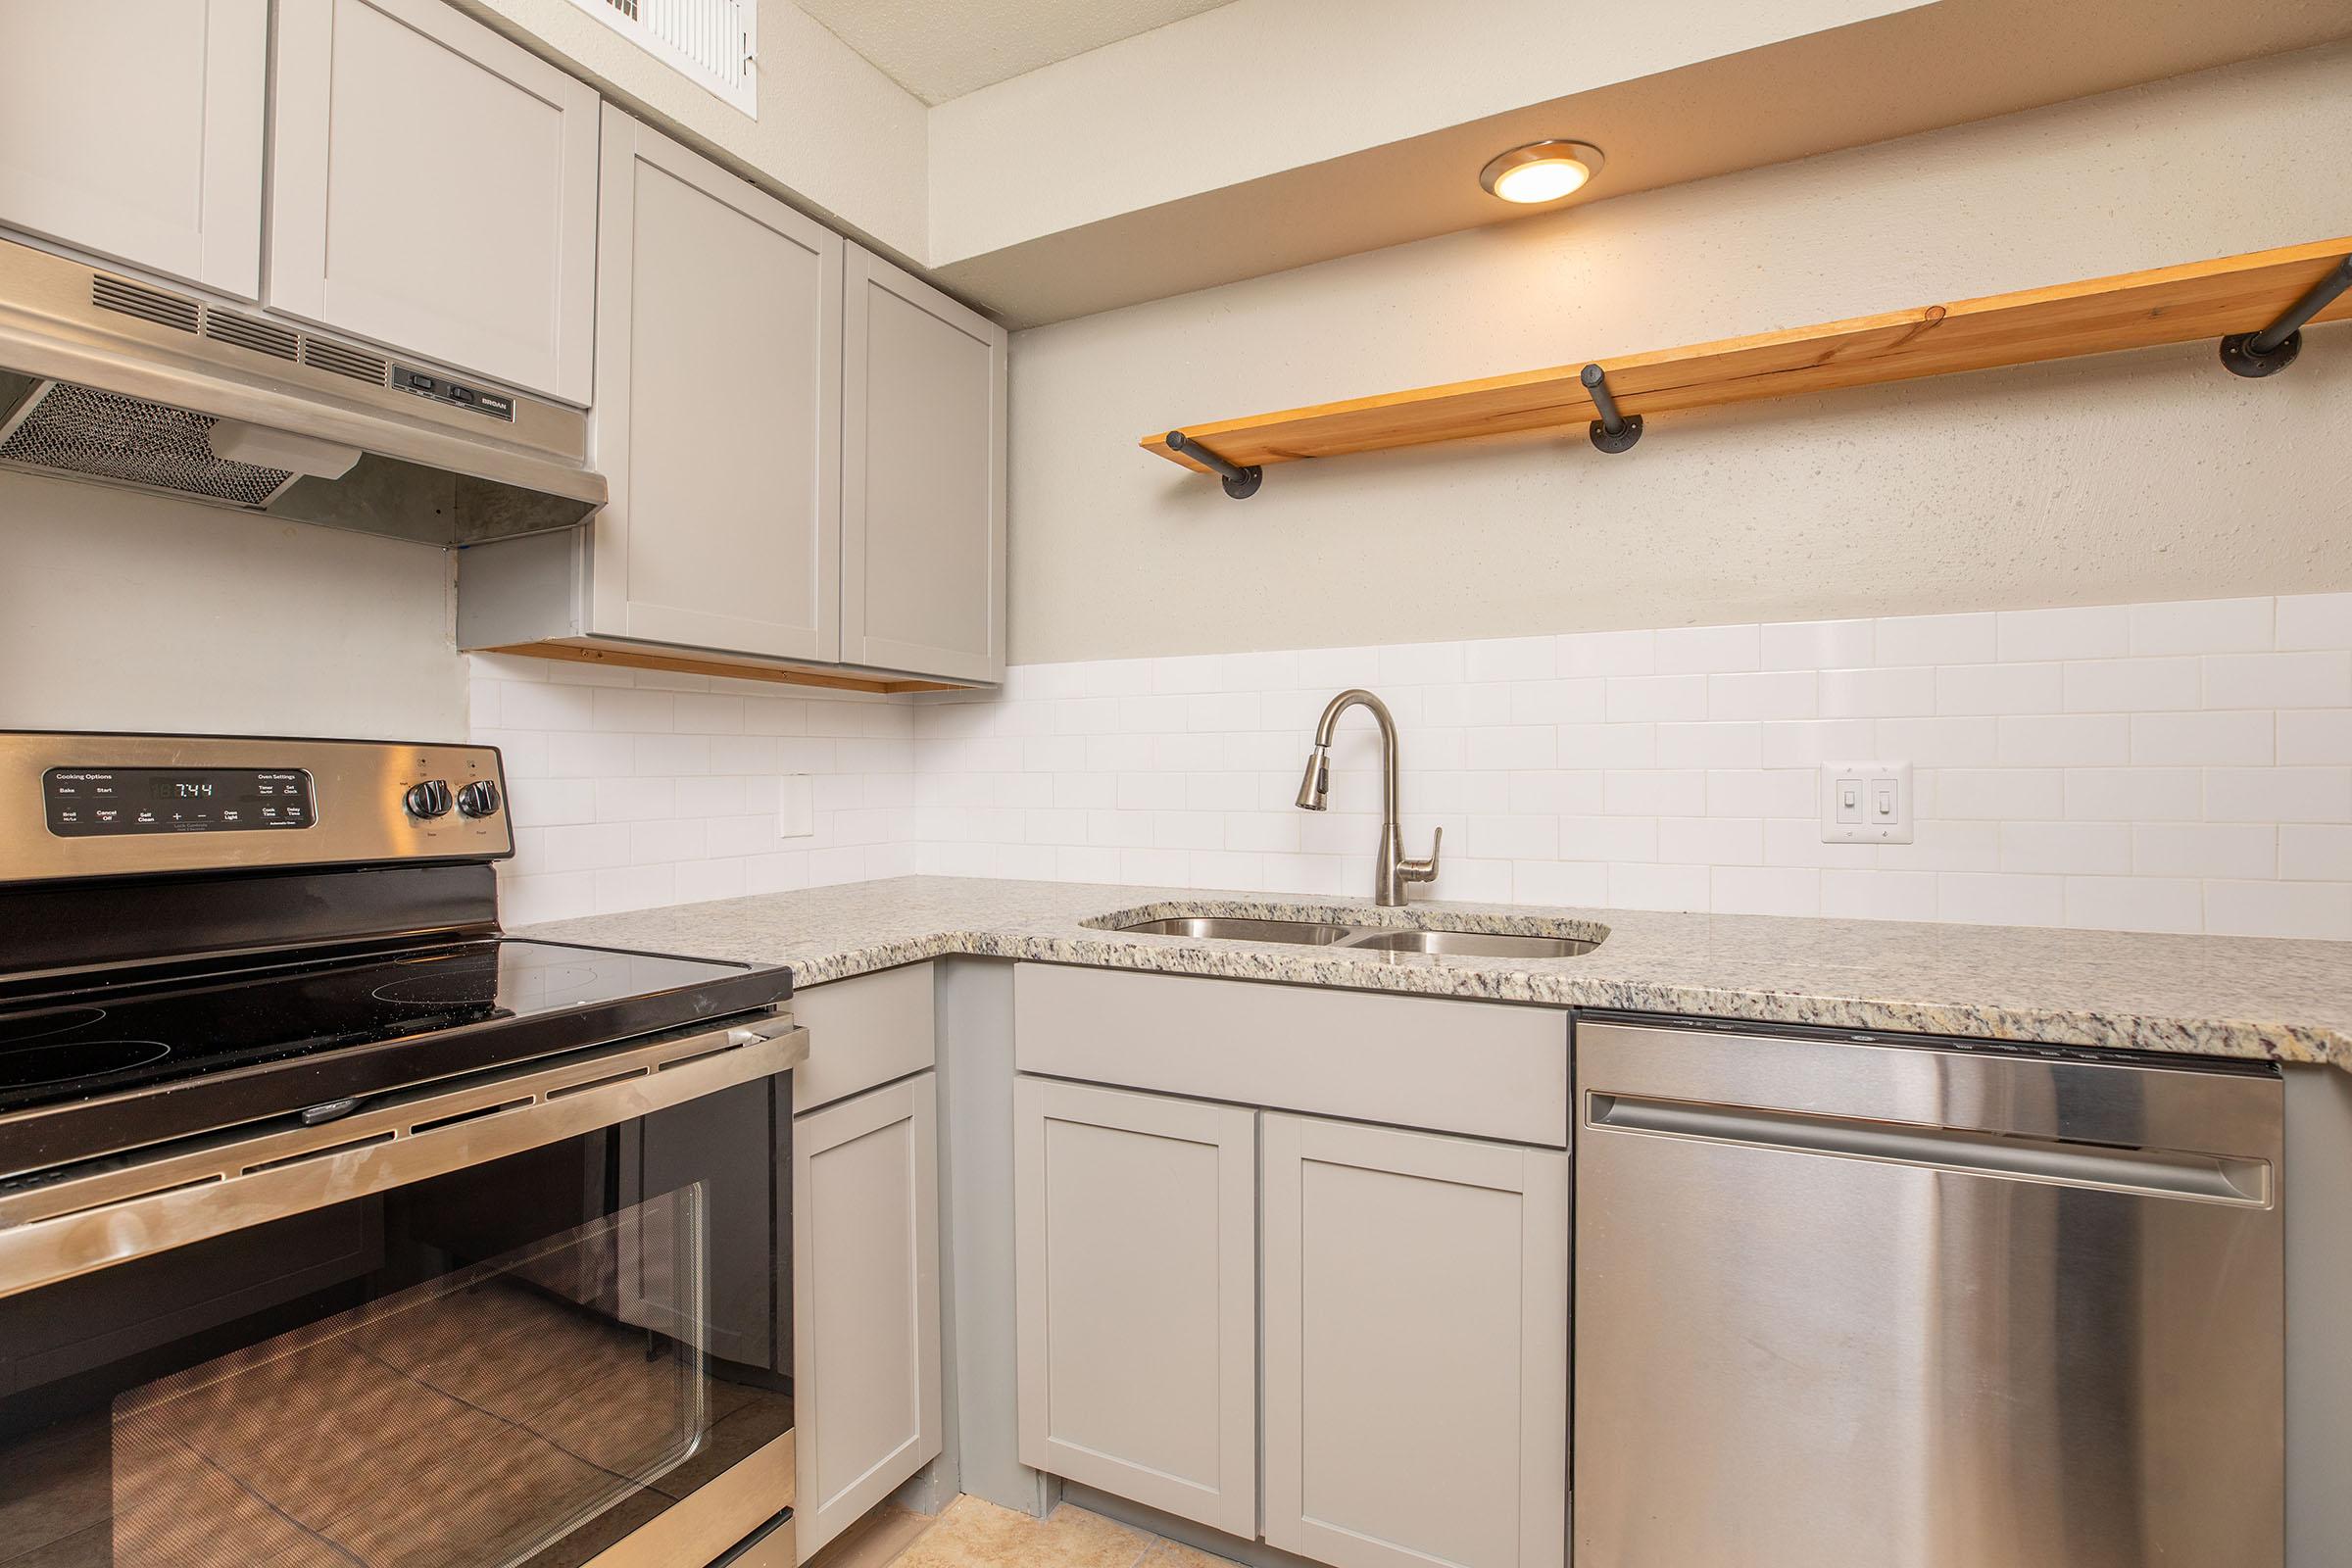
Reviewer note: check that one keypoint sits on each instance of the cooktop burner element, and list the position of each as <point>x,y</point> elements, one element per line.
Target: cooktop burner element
<point>57,1062</point>
<point>481,979</point>
<point>40,1025</point>
<point>232,1040</point>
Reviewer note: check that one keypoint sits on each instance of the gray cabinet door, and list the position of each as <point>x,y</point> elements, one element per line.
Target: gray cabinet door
<point>922,584</point>
<point>1417,1332</point>
<point>866,1308</point>
<point>1136,1218</point>
<point>718,408</point>
<point>132,128</point>
<point>433,187</point>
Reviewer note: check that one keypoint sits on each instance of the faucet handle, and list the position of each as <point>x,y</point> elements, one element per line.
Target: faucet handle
<point>1424,870</point>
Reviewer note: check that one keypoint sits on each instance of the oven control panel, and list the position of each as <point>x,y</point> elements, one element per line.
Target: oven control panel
<point>107,804</point>
<point>87,801</point>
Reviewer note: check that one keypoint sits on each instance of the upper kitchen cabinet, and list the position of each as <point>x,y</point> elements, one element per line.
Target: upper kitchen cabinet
<point>433,187</point>
<point>922,507</point>
<point>717,410</point>
<point>133,129</point>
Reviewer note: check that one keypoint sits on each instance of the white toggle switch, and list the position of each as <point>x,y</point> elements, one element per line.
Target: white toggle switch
<point>1866,803</point>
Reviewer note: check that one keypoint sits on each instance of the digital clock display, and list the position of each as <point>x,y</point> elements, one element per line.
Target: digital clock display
<point>182,789</point>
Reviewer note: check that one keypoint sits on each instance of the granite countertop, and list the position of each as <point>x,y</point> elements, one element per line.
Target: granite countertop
<point>2248,997</point>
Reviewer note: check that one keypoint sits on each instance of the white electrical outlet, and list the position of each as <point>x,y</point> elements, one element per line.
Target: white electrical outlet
<point>796,807</point>
<point>1866,803</point>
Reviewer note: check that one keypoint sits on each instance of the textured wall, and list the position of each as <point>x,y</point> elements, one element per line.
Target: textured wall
<point>2146,477</point>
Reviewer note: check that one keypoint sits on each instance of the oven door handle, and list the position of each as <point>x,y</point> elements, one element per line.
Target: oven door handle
<point>80,1223</point>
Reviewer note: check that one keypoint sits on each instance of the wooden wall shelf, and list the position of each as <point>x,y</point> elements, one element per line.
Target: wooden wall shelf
<point>2136,310</point>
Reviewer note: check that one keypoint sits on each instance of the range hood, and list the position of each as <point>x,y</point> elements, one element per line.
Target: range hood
<point>108,378</point>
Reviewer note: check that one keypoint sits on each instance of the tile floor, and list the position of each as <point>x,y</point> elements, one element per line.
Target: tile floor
<point>972,1533</point>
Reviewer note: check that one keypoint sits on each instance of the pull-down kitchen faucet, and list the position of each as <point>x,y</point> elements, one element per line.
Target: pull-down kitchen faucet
<point>1394,870</point>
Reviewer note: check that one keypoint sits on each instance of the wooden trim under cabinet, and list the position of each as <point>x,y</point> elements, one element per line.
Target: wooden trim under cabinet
<point>586,653</point>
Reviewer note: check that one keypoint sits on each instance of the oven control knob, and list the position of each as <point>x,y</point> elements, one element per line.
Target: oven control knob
<point>478,799</point>
<point>428,800</point>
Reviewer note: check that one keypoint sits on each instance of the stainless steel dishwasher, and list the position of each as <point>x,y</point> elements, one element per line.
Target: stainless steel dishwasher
<point>1856,1304</point>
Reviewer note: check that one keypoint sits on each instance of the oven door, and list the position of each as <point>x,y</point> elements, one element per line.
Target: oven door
<point>539,1318</point>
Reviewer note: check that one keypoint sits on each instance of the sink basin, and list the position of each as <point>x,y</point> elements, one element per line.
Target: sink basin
<point>1239,928</point>
<point>1365,938</point>
<point>1471,944</point>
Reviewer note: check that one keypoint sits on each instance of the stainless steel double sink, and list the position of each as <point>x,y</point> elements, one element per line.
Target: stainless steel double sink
<point>1367,938</point>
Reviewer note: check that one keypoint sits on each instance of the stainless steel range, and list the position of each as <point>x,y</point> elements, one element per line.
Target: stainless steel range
<point>337,1226</point>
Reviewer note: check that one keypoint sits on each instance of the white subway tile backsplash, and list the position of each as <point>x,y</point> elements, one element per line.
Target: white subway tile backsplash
<point>2001,793</point>
<point>1637,699</point>
<point>1773,693</point>
<point>1708,650</point>
<point>1606,653</point>
<point>1888,693</point>
<point>2000,689</point>
<point>2098,631</point>
<point>1820,645</point>
<point>2154,766</point>
<point>2205,850</point>
<point>1713,840</point>
<point>2279,794</point>
<point>1975,898</point>
<point>2312,909</point>
<point>2202,626</point>
<point>2132,685</point>
<point>1764,890</point>
<point>2210,739</point>
<point>2134,793</point>
<point>2279,680</point>
<point>2316,737</point>
<point>2065,741</point>
<point>2091,849</point>
<point>1879,895</point>
<point>2316,620</point>
<point>1966,639</point>
<point>2316,852</point>
<point>2134,902</point>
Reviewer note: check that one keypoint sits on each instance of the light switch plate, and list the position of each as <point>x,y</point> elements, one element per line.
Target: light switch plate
<point>1866,803</point>
<point>796,807</point>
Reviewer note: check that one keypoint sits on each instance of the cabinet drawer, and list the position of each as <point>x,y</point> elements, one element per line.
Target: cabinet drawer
<point>1481,1068</point>
<point>863,1032</point>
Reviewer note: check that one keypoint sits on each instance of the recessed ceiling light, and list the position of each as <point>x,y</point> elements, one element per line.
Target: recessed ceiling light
<point>1541,171</point>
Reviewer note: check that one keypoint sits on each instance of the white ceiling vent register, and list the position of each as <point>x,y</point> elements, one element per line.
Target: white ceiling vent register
<point>712,43</point>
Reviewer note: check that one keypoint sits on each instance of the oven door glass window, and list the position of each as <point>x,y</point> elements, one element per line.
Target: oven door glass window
<point>520,1362</point>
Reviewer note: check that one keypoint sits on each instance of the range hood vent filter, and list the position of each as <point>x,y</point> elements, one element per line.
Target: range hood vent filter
<point>65,429</point>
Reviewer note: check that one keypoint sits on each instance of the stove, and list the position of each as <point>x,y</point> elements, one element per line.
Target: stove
<point>285,1115</point>
<point>235,883</point>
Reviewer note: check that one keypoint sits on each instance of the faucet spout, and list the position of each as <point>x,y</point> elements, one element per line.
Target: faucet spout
<point>1394,869</point>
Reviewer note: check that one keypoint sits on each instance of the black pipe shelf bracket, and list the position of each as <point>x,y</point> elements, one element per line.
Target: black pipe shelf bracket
<point>1239,483</point>
<point>1615,431</point>
<point>2275,347</point>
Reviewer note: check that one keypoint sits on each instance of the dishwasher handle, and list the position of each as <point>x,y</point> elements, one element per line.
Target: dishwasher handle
<point>2139,1172</point>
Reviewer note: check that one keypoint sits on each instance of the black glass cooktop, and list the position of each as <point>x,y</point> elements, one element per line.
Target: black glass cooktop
<point>205,1048</point>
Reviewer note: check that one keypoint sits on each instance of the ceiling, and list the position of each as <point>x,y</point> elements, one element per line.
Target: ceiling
<point>939,52</point>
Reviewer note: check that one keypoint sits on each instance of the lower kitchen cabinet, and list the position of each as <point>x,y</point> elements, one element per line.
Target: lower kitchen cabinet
<point>865,1301</point>
<point>1416,1347</point>
<point>1136,1225</point>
